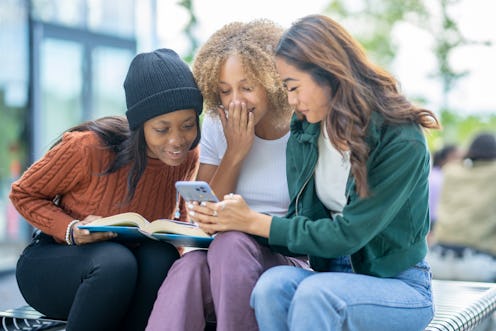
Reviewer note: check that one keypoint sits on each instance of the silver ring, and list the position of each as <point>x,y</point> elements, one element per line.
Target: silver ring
<point>231,195</point>
<point>223,205</point>
<point>215,213</point>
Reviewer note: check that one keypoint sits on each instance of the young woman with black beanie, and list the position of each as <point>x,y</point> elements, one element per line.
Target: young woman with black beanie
<point>98,169</point>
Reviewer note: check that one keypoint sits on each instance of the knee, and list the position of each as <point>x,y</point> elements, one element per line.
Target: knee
<point>230,240</point>
<point>113,259</point>
<point>236,256</point>
<point>308,291</point>
<point>231,246</point>
<point>271,284</point>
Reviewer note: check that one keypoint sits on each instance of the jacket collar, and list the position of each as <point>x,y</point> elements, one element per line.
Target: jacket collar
<point>303,131</point>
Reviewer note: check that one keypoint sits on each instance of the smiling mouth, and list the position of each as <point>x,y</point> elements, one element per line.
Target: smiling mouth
<point>176,154</point>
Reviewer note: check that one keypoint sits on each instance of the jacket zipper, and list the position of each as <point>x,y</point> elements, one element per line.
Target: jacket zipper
<point>348,192</point>
<point>302,188</point>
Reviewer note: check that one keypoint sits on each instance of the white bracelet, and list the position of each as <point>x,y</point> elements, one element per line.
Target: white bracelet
<point>68,238</point>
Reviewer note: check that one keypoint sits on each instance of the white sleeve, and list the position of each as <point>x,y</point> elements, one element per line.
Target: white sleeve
<point>213,143</point>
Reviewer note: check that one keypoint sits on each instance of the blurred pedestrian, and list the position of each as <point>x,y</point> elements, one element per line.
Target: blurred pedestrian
<point>440,158</point>
<point>465,235</point>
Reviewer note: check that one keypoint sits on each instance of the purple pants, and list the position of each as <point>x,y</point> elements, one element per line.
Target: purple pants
<point>217,282</point>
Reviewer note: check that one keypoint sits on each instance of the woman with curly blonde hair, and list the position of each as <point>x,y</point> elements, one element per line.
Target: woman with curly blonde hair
<point>244,137</point>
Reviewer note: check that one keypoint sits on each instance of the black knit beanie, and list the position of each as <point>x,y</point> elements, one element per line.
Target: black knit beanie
<point>158,83</point>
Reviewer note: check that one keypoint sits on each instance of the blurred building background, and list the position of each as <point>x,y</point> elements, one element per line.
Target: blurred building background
<point>61,62</point>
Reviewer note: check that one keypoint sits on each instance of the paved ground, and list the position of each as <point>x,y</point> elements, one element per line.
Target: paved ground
<point>10,297</point>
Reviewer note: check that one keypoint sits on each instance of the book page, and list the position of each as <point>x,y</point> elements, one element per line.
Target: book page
<point>124,219</point>
<point>172,226</point>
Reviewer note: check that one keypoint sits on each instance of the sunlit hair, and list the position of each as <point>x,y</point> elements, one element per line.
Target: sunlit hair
<point>319,46</point>
<point>255,43</point>
<point>129,147</point>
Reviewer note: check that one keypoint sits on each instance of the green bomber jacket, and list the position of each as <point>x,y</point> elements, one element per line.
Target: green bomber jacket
<point>384,233</point>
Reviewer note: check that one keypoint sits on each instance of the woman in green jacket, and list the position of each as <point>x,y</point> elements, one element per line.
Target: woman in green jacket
<point>368,258</point>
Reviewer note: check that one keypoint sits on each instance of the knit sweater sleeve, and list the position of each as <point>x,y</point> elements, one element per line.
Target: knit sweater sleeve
<point>55,174</point>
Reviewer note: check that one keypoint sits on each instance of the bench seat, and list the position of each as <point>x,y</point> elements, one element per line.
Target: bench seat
<point>27,319</point>
<point>459,306</point>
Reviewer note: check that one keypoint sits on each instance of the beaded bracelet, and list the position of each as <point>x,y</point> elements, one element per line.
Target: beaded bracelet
<point>72,236</point>
<point>69,237</point>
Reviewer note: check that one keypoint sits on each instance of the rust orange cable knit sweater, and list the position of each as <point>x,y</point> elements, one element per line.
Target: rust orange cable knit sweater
<point>71,170</point>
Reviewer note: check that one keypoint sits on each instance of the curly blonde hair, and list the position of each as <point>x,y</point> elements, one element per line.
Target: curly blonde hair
<point>254,42</point>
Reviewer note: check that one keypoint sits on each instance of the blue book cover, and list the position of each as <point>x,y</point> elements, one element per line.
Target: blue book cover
<point>182,240</point>
<point>123,232</point>
<point>133,227</point>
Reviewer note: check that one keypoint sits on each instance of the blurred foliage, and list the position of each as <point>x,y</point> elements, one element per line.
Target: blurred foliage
<point>373,22</point>
<point>460,130</point>
<point>12,147</point>
<point>447,38</point>
<point>189,29</point>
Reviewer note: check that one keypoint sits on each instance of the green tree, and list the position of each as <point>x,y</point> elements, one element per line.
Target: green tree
<point>372,23</point>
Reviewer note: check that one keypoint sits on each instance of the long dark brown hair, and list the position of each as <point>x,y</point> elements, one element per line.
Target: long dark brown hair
<point>129,146</point>
<point>319,46</point>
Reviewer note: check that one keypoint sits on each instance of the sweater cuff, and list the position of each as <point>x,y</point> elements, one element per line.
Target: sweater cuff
<point>279,229</point>
<point>59,229</point>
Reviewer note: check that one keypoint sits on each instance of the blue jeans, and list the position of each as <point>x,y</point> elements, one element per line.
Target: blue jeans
<point>289,298</point>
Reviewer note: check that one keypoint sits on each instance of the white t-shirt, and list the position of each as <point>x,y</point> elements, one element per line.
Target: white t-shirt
<point>331,174</point>
<point>262,180</point>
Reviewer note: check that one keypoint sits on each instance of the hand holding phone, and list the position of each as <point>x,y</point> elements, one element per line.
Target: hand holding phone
<point>196,191</point>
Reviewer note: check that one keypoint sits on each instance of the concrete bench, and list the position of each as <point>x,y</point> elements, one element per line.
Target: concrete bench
<point>459,306</point>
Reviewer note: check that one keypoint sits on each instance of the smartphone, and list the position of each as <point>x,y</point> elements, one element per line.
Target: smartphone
<point>195,191</point>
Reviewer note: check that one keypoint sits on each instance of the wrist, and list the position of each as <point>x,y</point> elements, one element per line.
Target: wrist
<point>69,233</point>
<point>260,225</point>
<point>233,156</point>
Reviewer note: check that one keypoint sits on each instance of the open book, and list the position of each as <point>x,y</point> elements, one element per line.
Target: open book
<point>133,226</point>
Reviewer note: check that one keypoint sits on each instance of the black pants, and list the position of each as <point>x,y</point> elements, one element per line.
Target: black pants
<point>99,286</point>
